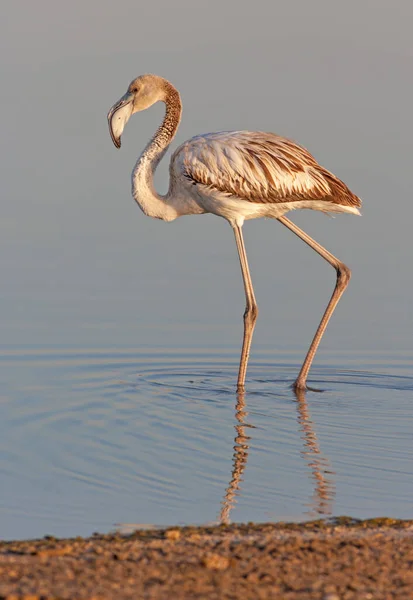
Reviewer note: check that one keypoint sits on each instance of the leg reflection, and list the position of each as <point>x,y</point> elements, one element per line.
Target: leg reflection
<point>324,489</point>
<point>322,475</point>
<point>240,457</point>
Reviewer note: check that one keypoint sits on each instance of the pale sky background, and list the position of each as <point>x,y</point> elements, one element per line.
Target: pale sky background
<point>81,265</point>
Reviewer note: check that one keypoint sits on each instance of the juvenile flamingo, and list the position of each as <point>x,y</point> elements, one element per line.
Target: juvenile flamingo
<point>237,175</point>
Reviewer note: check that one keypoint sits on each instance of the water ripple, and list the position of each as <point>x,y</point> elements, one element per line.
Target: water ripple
<point>97,437</point>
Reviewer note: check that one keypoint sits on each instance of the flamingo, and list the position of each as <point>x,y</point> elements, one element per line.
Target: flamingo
<point>237,175</point>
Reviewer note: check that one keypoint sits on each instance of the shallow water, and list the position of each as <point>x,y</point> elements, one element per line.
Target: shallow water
<point>104,438</point>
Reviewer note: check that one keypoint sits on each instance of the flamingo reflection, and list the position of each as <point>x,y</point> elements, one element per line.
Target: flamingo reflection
<point>324,489</point>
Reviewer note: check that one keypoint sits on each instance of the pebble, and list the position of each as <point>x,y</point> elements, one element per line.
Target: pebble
<point>215,562</point>
<point>172,534</point>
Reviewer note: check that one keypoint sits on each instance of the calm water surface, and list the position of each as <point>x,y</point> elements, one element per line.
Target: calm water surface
<point>103,438</point>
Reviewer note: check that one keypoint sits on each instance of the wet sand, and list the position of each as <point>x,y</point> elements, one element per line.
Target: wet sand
<point>338,560</point>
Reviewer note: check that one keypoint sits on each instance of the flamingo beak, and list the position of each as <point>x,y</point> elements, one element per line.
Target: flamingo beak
<point>118,116</point>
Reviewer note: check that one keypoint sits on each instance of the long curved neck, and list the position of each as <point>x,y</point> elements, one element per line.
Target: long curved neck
<point>143,190</point>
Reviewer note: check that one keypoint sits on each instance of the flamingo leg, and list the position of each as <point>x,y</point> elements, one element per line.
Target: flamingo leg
<point>343,277</point>
<point>251,309</point>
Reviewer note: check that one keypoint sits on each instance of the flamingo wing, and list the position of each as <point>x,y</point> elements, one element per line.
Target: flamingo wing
<point>258,167</point>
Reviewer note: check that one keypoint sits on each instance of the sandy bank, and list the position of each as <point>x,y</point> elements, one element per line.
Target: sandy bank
<point>340,560</point>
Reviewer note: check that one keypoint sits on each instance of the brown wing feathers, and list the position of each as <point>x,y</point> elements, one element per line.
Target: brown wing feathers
<point>262,168</point>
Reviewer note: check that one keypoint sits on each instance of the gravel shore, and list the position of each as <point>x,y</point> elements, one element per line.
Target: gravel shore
<point>341,559</point>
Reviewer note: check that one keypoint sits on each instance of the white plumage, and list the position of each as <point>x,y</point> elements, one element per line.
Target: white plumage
<point>241,175</point>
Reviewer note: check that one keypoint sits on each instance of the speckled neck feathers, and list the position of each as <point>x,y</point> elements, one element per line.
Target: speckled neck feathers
<point>143,191</point>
